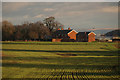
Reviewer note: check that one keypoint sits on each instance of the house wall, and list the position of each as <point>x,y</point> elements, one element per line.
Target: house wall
<point>82,38</point>
<point>56,40</point>
<point>91,37</point>
<point>72,35</point>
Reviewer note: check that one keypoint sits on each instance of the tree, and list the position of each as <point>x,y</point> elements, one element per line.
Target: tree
<point>18,34</point>
<point>28,31</point>
<point>38,30</point>
<point>52,24</point>
<point>33,31</point>
<point>24,30</point>
<point>42,30</point>
<point>0,31</point>
<point>7,30</point>
<point>33,35</point>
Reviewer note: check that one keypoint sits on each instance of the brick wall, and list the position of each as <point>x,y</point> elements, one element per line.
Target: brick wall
<point>72,35</point>
<point>56,40</point>
<point>91,37</point>
<point>82,38</point>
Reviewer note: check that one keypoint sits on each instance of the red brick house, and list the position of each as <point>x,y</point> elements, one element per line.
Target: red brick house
<point>71,35</point>
<point>64,35</point>
<point>85,37</point>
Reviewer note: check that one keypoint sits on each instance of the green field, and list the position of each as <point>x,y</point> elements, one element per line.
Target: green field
<point>61,60</point>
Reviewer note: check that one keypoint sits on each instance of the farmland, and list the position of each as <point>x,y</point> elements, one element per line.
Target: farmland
<point>62,60</point>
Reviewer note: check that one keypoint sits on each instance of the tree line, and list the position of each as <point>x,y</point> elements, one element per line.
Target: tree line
<point>40,30</point>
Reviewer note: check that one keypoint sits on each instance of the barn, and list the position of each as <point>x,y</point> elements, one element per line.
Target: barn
<point>85,37</point>
<point>64,35</point>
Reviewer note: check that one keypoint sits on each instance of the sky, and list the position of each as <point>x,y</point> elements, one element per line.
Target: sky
<point>60,0</point>
<point>81,16</point>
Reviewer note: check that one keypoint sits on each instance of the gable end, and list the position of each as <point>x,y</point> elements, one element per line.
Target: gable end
<point>74,31</point>
<point>91,33</point>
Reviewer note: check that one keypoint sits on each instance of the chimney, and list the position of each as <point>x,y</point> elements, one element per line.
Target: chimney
<point>85,32</point>
<point>62,29</point>
<point>69,28</point>
<point>58,29</point>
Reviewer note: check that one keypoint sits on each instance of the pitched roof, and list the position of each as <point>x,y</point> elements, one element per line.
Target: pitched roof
<point>91,32</point>
<point>62,32</point>
<point>83,33</point>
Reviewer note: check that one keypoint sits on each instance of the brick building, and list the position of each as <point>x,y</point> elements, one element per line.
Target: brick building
<point>71,35</point>
<point>64,35</point>
<point>85,37</point>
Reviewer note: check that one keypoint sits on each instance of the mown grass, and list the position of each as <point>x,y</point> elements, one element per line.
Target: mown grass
<point>59,60</point>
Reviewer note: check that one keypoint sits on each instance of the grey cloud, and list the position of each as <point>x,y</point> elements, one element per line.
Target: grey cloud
<point>77,15</point>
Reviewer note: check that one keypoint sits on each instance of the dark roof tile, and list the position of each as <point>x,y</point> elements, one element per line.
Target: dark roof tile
<point>83,33</point>
<point>62,32</point>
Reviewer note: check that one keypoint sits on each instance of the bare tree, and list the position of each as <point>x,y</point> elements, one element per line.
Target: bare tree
<point>28,31</point>
<point>38,31</point>
<point>24,30</point>
<point>7,30</point>
<point>42,30</point>
<point>52,24</point>
<point>33,31</point>
<point>18,34</point>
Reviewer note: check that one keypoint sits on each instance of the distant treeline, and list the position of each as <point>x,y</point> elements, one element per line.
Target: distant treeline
<point>113,33</point>
<point>41,30</point>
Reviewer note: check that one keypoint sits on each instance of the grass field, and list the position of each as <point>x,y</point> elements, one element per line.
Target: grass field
<point>62,60</point>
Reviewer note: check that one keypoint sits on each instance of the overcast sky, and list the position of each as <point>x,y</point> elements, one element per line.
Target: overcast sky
<point>77,15</point>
